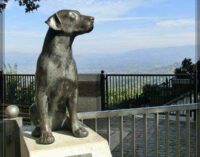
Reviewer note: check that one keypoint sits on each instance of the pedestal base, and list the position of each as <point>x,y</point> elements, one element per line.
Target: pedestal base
<point>65,145</point>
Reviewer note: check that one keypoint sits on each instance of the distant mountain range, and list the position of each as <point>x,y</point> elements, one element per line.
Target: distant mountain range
<point>154,60</point>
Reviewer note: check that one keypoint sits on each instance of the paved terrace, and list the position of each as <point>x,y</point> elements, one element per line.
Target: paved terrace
<point>115,145</point>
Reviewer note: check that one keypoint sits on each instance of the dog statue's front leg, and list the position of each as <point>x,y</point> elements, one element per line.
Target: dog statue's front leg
<point>46,136</point>
<point>77,128</point>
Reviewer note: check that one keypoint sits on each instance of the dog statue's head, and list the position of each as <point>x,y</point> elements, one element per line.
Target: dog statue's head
<point>70,22</point>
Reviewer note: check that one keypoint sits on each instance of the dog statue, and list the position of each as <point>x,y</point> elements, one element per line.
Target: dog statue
<point>56,78</point>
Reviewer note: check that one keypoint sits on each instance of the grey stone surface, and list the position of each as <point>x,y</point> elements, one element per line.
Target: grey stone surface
<point>82,155</point>
<point>115,123</point>
<point>151,137</point>
<point>65,145</point>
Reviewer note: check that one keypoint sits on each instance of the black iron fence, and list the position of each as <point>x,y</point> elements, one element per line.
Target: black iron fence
<point>143,90</point>
<point>118,90</point>
<point>18,89</point>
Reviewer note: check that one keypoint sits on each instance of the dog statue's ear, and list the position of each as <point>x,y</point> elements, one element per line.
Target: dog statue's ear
<point>54,22</point>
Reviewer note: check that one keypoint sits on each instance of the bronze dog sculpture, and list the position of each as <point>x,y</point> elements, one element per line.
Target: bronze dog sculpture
<point>56,77</point>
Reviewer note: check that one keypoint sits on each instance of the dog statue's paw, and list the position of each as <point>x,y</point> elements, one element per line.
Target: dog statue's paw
<point>46,138</point>
<point>79,131</point>
<point>36,132</point>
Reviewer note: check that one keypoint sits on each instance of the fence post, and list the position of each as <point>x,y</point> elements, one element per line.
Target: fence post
<point>198,131</point>
<point>194,80</point>
<point>166,90</point>
<point>195,87</point>
<point>1,87</point>
<point>197,79</point>
<point>103,107</point>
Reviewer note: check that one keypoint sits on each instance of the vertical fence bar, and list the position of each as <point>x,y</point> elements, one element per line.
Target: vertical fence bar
<point>177,133</point>
<point>145,134</point>
<point>108,130</point>
<point>125,91</point>
<point>4,88</point>
<point>115,86</point>
<point>119,89</point>
<point>33,89</point>
<point>188,133</point>
<point>110,91</point>
<point>10,84</point>
<point>25,83</point>
<point>137,90</point>
<point>140,84</point>
<point>167,134</point>
<point>152,91</point>
<point>133,135</point>
<point>134,89</point>
<point>121,137</point>
<point>95,124</point>
<point>156,83</point>
<point>28,89</point>
<point>156,120</point>
<point>1,87</point>
<point>128,88</point>
<point>107,102</point>
<point>132,96</point>
<point>113,89</point>
<point>7,82</point>
<point>8,88</point>
<point>198,132</point>
<point>23,86</point>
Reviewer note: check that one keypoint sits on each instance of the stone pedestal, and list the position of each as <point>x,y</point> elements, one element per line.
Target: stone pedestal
<point>65,145</point>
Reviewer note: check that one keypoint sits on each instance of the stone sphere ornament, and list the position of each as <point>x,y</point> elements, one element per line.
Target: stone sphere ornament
<point>12,111</point>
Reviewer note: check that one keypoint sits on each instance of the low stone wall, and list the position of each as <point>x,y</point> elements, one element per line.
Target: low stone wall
<point>89,92</point>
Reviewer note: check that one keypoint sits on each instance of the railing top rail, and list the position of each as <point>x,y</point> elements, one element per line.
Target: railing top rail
<point>113,74</point>
<point>137,111</point>
<point>19,74</point>
<point>148,74</point>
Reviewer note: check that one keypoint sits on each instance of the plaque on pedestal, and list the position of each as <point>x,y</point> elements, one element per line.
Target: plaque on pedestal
<point>65,145</point>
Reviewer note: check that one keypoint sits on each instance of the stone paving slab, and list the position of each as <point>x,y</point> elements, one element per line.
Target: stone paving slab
<point>151,141</point>
<point>115,123</point>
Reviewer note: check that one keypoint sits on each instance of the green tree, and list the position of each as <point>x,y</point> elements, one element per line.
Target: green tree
<point>18,89</point>
<point>30,5</point>
<point>187,67</point>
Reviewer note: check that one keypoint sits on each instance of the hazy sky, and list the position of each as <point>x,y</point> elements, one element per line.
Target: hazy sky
<point>120,25</point>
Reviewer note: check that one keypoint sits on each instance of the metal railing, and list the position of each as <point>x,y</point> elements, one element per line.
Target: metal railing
<point>143,90</point>
<point>18,89</point>
<point>153,113</point>
<point>117,90</point>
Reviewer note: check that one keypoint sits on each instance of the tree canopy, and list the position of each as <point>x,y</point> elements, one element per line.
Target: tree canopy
<point>29,5</point>
<point>187,67</point>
